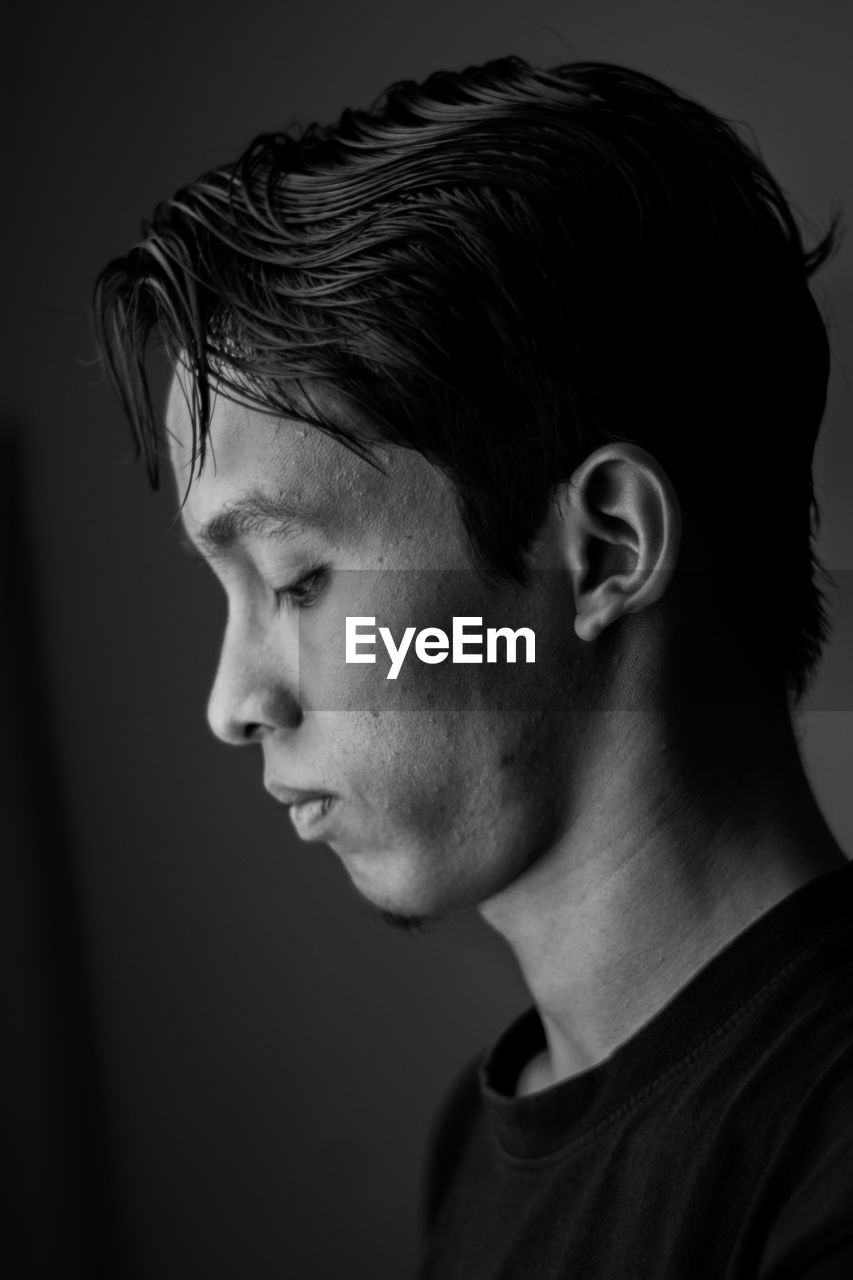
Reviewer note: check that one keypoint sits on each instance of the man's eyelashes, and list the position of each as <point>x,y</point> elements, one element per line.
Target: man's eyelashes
<point>302,593</point>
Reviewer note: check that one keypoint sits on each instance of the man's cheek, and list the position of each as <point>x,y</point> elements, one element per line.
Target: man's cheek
<point>358,649</point>
<point>416,640</point>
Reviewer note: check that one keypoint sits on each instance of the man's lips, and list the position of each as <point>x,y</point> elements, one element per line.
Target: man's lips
<point>308,808</point>
<point>293,795</point>
<point>309,816</point>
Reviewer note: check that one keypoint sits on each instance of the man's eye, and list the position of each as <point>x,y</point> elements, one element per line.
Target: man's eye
<point>301,594</point>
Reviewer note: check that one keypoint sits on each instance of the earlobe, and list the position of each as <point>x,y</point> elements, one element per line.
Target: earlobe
<point>590,622</point>
<point>621,529</point>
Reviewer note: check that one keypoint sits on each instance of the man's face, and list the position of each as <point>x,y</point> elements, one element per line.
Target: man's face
<point>445,783</point>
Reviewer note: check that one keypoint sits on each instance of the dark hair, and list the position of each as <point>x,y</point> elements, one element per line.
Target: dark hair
<point>503,268</point>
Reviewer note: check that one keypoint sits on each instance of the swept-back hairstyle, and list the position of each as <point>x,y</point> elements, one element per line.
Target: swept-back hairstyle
<point>503,268</point>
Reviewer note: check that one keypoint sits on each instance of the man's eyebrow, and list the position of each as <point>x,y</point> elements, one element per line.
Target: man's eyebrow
<point>253,515</point>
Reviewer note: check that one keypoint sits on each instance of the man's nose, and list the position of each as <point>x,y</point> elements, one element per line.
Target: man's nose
<point>255,689</point>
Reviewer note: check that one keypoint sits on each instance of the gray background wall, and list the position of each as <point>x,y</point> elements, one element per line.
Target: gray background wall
<point>251,1061</point>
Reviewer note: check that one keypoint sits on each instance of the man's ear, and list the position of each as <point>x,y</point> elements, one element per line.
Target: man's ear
<point>621,533</point>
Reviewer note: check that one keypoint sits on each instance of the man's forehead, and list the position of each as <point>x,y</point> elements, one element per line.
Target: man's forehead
<point>249,449</point>
<point>259,466</point>
<point>231,413</point>
<point>310,476</point>
<point>235,428</point>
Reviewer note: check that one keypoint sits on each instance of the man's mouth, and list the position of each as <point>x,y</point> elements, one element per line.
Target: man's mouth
<point>308,809</point>
<point>308,815</point>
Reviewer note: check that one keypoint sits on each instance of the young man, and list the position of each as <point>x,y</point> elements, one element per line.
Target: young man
<point>532,355</point>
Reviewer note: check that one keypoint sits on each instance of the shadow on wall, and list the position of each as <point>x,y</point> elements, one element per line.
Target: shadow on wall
<point>58,1204</point>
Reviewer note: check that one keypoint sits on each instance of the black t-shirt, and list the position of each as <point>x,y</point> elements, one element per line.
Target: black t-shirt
<point>715,1144</point>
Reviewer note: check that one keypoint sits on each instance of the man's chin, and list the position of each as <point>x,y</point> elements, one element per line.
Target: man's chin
<point>397,916</point>
<point>401,888</point>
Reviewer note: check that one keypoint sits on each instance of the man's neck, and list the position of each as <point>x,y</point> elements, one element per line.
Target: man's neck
<point>673,848</point>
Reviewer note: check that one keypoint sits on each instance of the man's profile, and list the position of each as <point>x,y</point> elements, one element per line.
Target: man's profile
<point>537,348</point>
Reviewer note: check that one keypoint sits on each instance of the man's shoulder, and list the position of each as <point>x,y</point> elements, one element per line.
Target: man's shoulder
<point>808,1015</point>
<point>813,1171</point>
<point>451,1126</point>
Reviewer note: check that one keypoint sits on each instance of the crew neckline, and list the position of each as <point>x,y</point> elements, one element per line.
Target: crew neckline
<point>549,1121</point>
